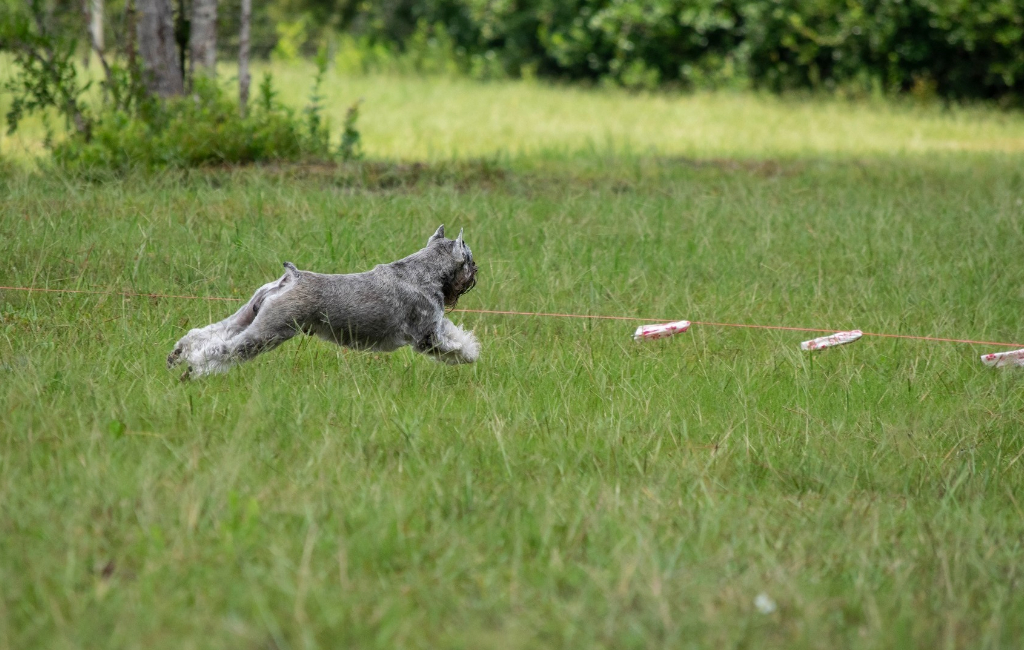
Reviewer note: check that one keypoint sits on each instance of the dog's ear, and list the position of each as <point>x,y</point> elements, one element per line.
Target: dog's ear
<point>438,234</point>
<point>459,249</point>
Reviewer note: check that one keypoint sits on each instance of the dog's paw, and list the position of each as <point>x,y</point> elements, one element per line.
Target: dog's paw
<point>179,353</point>
<point>201,366</point>
<point>176,357</point>
<point>470,351</point>
<point>185,347</point>
<point>463,346</point>
<point>203,353</point>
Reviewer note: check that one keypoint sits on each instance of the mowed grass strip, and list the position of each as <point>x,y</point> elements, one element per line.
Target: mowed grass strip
<point>439,118</point>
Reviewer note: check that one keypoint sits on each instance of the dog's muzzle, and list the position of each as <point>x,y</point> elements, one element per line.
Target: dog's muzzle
<point>472,281</point>
<point>460,287</point>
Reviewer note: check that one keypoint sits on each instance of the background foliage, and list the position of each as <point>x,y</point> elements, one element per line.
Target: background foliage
<point>956,48</point>
<point>953,48</point>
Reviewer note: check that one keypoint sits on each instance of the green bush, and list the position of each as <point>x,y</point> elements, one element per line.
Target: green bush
<point>956,48</point>
<point>964,49</point>
<point>205,128</point>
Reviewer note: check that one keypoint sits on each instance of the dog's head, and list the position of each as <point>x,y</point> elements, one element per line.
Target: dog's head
<point>463,274</point>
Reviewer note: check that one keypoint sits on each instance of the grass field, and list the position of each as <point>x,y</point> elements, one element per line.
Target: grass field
<point>573,489</point>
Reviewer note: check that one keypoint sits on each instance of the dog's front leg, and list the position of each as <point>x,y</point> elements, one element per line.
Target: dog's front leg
<point>451,344</point>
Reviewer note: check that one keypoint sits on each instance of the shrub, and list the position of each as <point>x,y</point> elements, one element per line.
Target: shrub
<point>961,48</point>
<point>189,131</point>
<point>202,129</point>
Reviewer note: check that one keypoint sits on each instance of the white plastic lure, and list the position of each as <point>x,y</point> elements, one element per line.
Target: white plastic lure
<point>651,332</point>
<point>1002,359</point>
<point>839,338</point>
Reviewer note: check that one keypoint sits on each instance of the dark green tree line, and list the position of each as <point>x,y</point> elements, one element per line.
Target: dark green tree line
<point>956,48</point>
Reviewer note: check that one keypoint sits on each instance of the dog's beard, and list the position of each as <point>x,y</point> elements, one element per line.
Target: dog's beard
<point>457,288</point>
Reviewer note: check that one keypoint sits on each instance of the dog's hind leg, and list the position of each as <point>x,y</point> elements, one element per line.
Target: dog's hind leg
<point>268,331</point>
<point>276,321</point>
<point>451,344</point>
<point>207,350</point>
<point>218,356</point>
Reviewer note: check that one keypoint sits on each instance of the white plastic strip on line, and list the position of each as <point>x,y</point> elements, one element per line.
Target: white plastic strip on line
<point>839,338</point>
<point>651,332</point>
<point>1002,359</point>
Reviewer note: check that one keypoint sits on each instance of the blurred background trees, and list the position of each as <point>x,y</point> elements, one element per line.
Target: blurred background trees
<point>955,49</point>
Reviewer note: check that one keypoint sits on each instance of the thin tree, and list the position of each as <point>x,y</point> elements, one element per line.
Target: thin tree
<point>94,26</point>
<point>94,16</point>
<point>202,44</point>
<point>96,23</point>
<point>243,57</point>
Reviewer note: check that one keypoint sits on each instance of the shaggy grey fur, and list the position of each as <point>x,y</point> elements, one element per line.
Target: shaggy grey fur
<point>390,306</point>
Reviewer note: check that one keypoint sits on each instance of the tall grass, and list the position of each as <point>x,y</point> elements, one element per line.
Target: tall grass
<point>573,488</point>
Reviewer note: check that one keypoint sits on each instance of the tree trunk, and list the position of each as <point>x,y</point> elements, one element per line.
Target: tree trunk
<point>131,22</point>
<point>202,43</point>
<point>94,17</point>
<point>158,48</point>
<point>96,24</point>
<point>94,13</point>
<point>243,56</point>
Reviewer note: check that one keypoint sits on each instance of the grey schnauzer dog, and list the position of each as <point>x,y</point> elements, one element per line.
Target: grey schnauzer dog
<point>391,306</point>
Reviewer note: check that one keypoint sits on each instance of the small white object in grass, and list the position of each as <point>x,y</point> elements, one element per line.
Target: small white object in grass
<point>839,338</point>
<point>651,332</point>
<point>764,603</point>
<point>1003,359</point>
